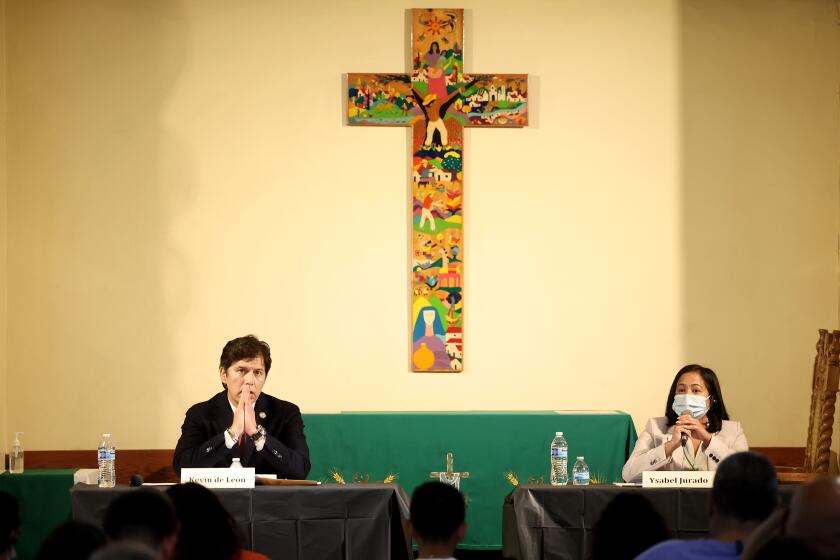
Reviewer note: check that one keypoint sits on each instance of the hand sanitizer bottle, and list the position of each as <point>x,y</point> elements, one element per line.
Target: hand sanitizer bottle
<point>16,457</point>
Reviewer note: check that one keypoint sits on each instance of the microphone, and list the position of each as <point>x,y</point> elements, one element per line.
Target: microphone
<point>136,480</point>
<point>683,439</point>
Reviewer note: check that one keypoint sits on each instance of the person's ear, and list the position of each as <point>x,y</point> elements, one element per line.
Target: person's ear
<point>168,546</point>
<point>223,375</point>
<point>461,532</point>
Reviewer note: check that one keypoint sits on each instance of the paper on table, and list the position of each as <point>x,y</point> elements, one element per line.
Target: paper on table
<point>586,412</point>
<point>86,476</point>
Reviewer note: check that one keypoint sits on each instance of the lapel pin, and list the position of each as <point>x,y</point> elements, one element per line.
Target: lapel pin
<point>262,415</point>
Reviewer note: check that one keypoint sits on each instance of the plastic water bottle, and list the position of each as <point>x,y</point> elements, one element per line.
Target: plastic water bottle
<point>580,473</point>
<point>16,456</point>
<point>559,460</point>
<point>236,463</point>
<point>107,462</point>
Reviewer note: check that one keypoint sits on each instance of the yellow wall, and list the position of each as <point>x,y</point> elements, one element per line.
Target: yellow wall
<point>181,174</point>
<point>760,148</point>
<point>3,213</point>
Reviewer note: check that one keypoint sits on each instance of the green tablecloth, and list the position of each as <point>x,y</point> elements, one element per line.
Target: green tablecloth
<point>486,444</point>
<point>44,496</point>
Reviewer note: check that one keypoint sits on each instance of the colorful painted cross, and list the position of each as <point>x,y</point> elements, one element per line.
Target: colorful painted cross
<point>438,100</point>
<point>449,476</point>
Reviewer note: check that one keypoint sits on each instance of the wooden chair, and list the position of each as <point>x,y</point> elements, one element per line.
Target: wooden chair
<point>824,386</point>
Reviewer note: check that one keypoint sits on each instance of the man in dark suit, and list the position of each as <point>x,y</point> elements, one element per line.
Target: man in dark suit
<point>243,422</point>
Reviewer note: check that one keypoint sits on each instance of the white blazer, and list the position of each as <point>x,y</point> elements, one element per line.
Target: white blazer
<point>649,452</point>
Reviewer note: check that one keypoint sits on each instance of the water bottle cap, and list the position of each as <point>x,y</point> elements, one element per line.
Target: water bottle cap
<point>106,435</point>
<point>558,433</point>
<point>580,458</point>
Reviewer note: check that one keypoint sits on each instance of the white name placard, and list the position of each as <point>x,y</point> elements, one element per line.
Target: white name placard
<point>220,478</point>
<point>678,479</point>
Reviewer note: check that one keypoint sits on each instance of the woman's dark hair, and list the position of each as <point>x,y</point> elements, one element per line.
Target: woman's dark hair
<point>208,531</point>
<point>628,526</point>
<point>437,48</point>
<point>717,410</point>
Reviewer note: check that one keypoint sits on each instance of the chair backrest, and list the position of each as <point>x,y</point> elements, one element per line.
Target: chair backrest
<point>824,384</point>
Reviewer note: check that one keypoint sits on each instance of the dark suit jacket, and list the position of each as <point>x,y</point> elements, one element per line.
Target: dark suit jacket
<point>202,441</point>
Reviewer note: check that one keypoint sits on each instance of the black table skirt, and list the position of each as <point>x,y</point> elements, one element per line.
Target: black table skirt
<point>547,522</point>
<point>330,522</point>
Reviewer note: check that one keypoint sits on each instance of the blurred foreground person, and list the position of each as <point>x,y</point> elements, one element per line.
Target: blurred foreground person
<point>208,531</point>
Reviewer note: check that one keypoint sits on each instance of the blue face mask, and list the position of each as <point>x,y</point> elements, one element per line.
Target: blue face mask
<point>695,405</point>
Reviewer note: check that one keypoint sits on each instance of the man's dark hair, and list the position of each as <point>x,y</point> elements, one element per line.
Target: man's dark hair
<point>745,487</point>
<point>208,531</point>
<point>717,410</point>
<point>437,510</point>
<point>9,520</point>
<point>72,540</point>
<point>141,515</point>
<point>628,526</point>
<point>245,348</point>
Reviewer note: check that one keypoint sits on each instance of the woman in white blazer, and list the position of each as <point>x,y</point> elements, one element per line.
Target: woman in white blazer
<point>694,434</point>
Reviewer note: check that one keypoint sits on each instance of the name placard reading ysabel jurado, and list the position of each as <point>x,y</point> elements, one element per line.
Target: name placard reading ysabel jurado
<point>678,479</point>
<point>220,478</point>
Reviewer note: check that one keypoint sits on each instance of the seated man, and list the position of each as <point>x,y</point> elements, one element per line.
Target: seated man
<point>144,518</point>
<point>744,494</point>
<point>243,422</point>
<point>437,520</point>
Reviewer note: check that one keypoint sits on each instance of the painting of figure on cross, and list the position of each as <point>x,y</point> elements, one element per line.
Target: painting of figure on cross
<point>437,99</point>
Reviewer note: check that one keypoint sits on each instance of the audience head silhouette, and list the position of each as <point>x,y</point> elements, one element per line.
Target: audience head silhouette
<point>208,531</point>
<point>72,540</point>
<point>628,526</point>
<point>815,516</point>
<point>745,492</point>
<point>143,516</point>
<point>9,524</point>
<point>437,519</point>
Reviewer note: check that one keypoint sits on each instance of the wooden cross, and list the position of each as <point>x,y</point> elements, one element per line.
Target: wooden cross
<point>437,100</point>
<point>449,476</point>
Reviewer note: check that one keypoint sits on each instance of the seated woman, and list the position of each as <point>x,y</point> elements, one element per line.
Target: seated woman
<point>694,435</point>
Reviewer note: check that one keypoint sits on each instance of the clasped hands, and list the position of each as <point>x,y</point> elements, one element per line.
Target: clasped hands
<point>244,418</point>
<point>691,427</point>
